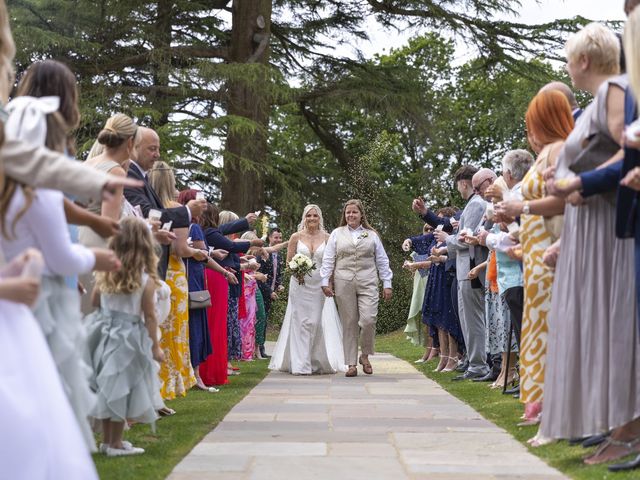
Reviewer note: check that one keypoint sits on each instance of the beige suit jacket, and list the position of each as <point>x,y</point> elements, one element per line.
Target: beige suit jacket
<point>41,167</point>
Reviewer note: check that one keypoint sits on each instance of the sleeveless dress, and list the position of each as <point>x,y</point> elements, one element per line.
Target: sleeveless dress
<point>125,373</point>
<point>592,382</point>
<point>310,339</point>
<point>176,373</point>
<point>537,282</point>
<point>89,238</point>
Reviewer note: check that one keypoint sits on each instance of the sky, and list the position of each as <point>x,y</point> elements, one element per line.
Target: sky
<point>531,12</point>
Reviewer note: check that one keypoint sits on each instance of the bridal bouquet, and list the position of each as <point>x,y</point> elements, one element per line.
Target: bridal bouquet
<point>301,266</point>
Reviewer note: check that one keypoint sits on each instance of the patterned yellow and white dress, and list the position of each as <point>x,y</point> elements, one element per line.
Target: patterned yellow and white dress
<point>176,373</point>
<point>538,281</point>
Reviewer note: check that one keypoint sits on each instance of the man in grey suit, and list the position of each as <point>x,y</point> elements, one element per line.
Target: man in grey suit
<point>470,293</point>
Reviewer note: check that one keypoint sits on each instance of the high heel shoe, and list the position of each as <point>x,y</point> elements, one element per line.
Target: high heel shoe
<point>443,363</point>
<point>451,365</point>
<point>433,353</point>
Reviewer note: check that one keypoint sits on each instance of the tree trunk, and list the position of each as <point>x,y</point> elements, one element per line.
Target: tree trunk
<point>246,153</point>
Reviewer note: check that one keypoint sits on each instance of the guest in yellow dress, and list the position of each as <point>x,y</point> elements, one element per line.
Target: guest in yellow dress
<point>176,373</point>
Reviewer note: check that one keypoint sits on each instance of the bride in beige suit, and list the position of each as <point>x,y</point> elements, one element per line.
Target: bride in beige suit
<point>355,258</point>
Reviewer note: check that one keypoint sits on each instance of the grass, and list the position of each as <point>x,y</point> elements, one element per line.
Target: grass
<point>197,414</point>
<point>504,411</point>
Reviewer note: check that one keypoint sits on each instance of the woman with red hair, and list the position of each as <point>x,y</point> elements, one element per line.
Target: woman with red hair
<point>549,123</point>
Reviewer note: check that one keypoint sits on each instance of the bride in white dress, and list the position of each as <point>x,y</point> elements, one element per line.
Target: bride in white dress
<point>310,339</point>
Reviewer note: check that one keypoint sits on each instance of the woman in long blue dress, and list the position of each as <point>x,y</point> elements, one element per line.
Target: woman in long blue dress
<point>438,310</point>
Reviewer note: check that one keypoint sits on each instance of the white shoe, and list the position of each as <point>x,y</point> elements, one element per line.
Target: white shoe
<point>420,360</point>
<point>122,452</point>
<point>102,448</point>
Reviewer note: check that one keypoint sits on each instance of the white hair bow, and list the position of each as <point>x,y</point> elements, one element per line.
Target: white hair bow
<point>28,118</point>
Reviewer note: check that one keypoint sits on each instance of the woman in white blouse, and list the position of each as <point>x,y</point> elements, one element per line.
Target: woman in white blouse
<point>355,258</point>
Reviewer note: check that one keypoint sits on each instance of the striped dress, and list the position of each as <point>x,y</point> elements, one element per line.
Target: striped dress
<point>538,280</point>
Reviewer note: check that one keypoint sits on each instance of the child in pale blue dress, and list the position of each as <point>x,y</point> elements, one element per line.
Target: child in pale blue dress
<point>123,338</point>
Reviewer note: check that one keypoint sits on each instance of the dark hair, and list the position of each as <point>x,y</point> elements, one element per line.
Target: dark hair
<point>274,230</point>
<point>466,172</point>
<point>210,217</point>
<point>52,78</point>
<point>448,212</point>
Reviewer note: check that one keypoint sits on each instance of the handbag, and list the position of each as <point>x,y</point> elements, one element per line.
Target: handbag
<point>199,299</point>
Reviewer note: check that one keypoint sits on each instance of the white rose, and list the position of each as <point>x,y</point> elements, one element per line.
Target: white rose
<point>293,265</point>
<point>308,263</point>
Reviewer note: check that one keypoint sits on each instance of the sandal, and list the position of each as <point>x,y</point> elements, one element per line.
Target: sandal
<point>366,367</point>
<point>166,412</point>
<point>627,448</point>
<point>352,371</point>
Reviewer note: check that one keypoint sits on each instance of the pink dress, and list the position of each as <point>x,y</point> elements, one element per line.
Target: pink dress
<point>248,321</point>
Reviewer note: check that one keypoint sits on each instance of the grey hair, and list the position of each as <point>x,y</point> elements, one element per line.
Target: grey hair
<point>518,162</point>
<point>311,206</point>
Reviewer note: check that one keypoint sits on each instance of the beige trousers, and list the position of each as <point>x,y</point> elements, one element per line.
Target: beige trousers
<point>358,308</point>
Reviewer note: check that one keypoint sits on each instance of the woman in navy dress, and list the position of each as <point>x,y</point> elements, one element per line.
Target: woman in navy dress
<point>438,311</point>
<point>199,340</point>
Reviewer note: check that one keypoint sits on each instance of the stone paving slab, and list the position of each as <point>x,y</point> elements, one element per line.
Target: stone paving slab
<point>396,424</point>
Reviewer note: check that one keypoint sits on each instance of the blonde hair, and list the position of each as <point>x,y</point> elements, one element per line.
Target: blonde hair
<point>118,129</point>
<point>631,48</point>
<point>599,44</point>
<point>227,216</point>
<point>135,248</point>
<point>7,52</point>
<point>311,206</point>
<point>163,181</point>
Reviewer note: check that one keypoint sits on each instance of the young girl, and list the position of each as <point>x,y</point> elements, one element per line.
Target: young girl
<point>123,338</point>
<point>248,320</point>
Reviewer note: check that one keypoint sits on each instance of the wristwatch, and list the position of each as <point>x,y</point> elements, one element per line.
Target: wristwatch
<point>526,208</point>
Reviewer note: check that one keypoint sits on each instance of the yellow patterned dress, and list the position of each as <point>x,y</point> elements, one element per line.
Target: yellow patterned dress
<point>538,280</point>
<point>176,373</point>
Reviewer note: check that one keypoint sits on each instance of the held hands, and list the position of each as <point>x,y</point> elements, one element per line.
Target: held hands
<point>104,226</point>
<point>441,236</point>
<point>471,240</point>
<point>199,255</point>
<point>551,254</point>
<point>511,208</point>
<point>454,223</point>
<point>106,260</point>
<point>328,291</point>
<point>259,276</point>
<point>387,293</point>
<point>164,237</point>
<point>473,273</point>
<point>218,254</point>
<point>482,237</point>
<point>158,353</point>
<point>632,179</point>
<point>274,296</point>
<point>231,277</point>
<point>566,186</point>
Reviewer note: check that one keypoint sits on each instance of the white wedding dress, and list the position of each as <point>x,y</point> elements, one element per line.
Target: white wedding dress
<point>310,339</point>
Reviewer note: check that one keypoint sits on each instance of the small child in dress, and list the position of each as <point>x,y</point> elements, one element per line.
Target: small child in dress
<point>123,338</point>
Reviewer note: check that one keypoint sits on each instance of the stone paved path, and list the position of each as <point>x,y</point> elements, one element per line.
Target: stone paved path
<point>394,425</point>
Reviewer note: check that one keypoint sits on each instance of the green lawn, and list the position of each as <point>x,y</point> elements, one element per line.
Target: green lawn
<point>197,414</point>
<point>503,410</point>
